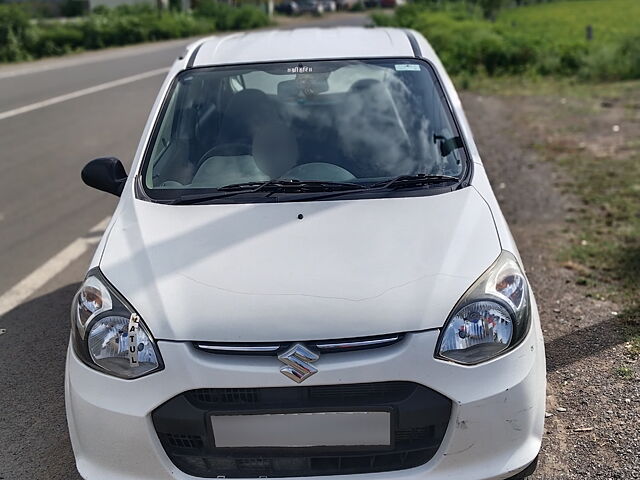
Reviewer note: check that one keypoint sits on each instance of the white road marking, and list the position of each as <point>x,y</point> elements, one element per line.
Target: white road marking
<point>52,267</point>
<point>81,93</point>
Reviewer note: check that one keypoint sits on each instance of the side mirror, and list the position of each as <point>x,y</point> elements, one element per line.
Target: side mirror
<point>105,174</point>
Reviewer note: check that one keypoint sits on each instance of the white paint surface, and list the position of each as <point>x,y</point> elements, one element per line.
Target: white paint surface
<point>256,273</point>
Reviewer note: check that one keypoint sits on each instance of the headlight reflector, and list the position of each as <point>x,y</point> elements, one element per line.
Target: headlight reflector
<point>480,329</point>
<point>107,333</point>
<point>490,318</point>
<point>121,349</point>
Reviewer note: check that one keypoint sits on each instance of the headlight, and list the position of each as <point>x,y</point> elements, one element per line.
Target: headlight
<point>491,317</point>
<point>108,335</point>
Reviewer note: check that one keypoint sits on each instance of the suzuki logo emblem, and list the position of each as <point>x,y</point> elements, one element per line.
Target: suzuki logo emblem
<point>297,362</point>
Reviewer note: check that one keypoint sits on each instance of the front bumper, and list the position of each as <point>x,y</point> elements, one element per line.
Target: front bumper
<point>494,431</point>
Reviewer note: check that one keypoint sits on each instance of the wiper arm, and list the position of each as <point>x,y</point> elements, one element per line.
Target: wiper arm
<point>415,180</point>
<point>242,186</point>
<point>308,185</point>
<point>291,184</point>
<point>270,185</point>
<point>203,197</point>
<point>228,191</point>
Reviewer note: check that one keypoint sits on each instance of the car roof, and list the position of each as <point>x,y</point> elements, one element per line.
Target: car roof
<point>304,44</point>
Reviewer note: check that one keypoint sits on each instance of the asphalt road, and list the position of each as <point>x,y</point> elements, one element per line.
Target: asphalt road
<point>46,215</point>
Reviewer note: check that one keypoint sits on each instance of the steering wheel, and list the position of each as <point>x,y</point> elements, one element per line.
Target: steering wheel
<point>320,171</point>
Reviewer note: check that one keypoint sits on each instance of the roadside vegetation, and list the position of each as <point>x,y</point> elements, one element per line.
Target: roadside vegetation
<point>595,40</point>
<point>22,38</point>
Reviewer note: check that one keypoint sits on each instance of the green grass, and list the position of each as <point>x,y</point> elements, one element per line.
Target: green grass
<point>610,238</point>
<point>567,87</point>
<point>603,244</point>
<point>624,372</point>
<point>633,335</point>
<point>565,22</point>
<point>547,39</point>
<point>606,231</point>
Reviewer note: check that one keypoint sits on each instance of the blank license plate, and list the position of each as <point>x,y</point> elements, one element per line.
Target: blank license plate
<point>303,429</point>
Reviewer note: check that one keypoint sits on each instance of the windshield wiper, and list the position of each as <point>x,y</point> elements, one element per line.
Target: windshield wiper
<point>288,185</point>
<point>310,186</point>
<point>270,186</point>
<point>415,180</point>
<point>204,197</point>
<point>242,186</point>
<point>228,191</point>
<point>292,184</point>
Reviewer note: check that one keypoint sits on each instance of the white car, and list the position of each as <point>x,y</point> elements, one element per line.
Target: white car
<point>307,276</point>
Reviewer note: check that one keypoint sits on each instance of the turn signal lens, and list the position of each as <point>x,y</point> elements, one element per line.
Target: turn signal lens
<point>92,299</point>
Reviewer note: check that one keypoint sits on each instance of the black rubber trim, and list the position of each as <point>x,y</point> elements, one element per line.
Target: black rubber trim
<point>414,44</point>
<point>419,421</point>
<point>192,58</point>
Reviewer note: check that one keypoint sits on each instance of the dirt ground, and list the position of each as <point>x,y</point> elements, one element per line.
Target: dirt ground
<point>592,428</point>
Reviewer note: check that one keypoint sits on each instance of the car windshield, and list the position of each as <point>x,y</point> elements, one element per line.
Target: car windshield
<point>361,122</point>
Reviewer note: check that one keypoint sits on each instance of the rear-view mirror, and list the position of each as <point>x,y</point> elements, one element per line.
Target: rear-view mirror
<point>105,174</point>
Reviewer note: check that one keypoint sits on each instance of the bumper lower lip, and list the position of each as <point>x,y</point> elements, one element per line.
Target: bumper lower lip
<point>494,431</point>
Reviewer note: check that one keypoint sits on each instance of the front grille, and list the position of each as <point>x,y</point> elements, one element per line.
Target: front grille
<point>224,396</point>
<point>419,420</point>
<point>323,346</point>
<point>382,392</point>
<point>184,441</point>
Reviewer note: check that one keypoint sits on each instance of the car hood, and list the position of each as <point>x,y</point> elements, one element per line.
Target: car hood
<point>259,272</point>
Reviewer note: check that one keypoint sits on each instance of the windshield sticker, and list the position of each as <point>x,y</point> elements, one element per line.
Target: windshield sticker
<point>407,67</point>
